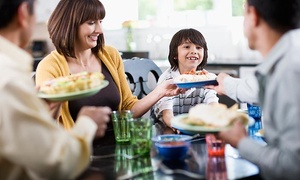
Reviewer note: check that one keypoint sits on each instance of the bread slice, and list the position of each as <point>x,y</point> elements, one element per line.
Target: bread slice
<point>217,115</point>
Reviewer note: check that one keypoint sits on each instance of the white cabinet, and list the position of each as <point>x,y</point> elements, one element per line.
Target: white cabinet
<point>44,9</point>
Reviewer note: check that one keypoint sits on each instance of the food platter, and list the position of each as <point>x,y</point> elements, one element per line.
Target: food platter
<point>73,95</point>
<point>178,123</point>
<point>196,84</point>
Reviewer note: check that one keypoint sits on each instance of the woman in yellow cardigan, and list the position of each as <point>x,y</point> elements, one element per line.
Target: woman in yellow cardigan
<point>76,32</point>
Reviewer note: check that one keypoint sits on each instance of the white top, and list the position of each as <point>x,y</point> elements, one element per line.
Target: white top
<point>32,145</point>
<point>242,90</point>
<point>183,102</point>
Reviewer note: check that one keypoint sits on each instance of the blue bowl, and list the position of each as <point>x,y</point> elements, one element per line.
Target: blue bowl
<point>171,137</point>
<point>173,150</point>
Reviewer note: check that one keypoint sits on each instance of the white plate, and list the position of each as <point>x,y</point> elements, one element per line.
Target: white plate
<point>259,134</point>
<point>177,122</point>
<point>73,95</point>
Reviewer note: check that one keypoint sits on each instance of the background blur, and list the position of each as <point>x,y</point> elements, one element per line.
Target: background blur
<point>148,25</point>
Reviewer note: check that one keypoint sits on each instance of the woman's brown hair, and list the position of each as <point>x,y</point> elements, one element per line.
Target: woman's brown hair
<point>65,20</point>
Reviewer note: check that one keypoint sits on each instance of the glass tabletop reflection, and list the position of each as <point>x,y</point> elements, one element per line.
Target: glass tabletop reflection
<point>119,162</point>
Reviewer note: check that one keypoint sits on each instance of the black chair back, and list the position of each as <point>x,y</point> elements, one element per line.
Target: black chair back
<point>138,71</point>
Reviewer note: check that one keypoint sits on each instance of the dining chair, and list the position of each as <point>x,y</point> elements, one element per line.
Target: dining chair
<point>142,75</point>
<point>134,54</point>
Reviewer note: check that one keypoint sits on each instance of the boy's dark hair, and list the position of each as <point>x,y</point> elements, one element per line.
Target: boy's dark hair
<point>65,20</point>
<point>281,15</point>
<point>192,35</point>
<point>9,8</point>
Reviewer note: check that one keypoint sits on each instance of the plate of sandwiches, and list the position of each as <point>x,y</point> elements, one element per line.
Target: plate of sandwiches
<point>195,79</point>
<point>204,118</point>
<point>72,87</point>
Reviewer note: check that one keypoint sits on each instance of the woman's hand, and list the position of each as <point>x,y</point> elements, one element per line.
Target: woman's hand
<point>168,88</point>
<point>100,115</point>
<point>55,108</point>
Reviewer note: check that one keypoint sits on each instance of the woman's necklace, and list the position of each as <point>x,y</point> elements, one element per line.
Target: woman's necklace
<point>78,66</point>
<point>91,65</point>
<point>84,65</point>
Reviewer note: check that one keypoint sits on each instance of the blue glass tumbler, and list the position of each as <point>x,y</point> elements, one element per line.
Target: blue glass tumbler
<point>255,112</point>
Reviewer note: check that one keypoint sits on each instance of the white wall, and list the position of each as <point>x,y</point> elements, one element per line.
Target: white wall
<point>221,40</point>
<point>44,9</point>
<point>223,43</point>
<point>223,33</point>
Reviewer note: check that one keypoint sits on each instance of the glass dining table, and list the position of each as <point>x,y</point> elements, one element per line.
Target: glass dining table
<point>118,162</point>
